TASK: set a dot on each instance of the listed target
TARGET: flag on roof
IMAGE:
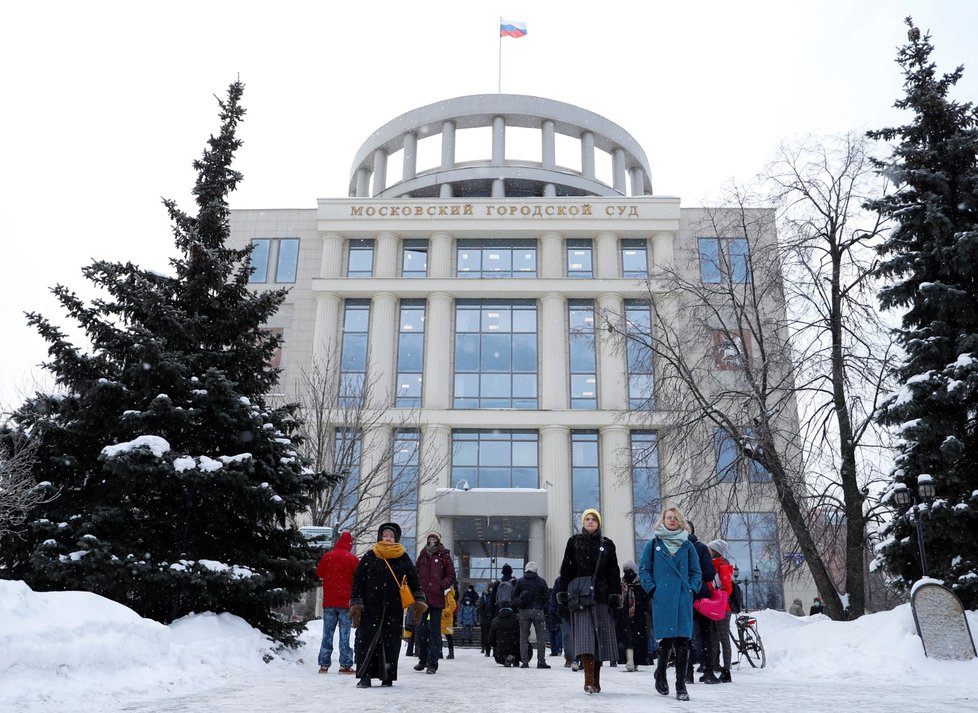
(511, 28)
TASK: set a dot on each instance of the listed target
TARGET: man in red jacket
(336, 569)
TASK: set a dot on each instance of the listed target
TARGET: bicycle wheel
(754, 647)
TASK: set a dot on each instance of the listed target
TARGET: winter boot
(451, 646)
(724, 675)
(630, 660)
(661, 664)
(597, 675)
(567, 661)
(690, 675)
(587, 661)
(682, 668)
(708, 676)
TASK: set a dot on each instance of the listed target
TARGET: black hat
(393, 527)
(507, 570)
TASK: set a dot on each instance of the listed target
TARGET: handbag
(580, 590)
(407, 599)
(715, 607)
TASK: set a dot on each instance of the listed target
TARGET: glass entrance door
(485, 544)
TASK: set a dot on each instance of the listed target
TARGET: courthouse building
(470, 289)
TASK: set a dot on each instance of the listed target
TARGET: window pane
(466, 353)
(496, 352)
(634, 258)
(259, 261)
(414, 258)
(739, 262)
(579, 258)
(288, 260)
(709, 260)
(361, 259)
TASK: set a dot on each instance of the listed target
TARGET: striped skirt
(594, 632)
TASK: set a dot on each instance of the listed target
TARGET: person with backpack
(589, 571)
(530, 594)
(721, 628)
(702, 626)
(670, 572)
(502, 593)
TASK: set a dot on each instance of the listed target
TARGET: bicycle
(748, 642)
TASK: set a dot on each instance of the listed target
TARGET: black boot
(662, 662)
(682, 667)
(451, 646)
(724, 675)
(708, 676)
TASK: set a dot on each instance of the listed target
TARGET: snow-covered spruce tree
(176, 481)
(931, 263)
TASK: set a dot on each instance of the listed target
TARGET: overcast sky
(106, 104)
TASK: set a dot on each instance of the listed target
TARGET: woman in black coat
(375, 606)
(633, 624)
(589, 554)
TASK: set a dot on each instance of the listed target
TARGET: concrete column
(535, 548)
(662, 251)
(385, 263)
(606, 260)
(325, 331)
(448, 144)
(612, 363)
(440, 256)
(437, 378)
(498, 141)
(380, 171)
(445, 190)
(549, 190)
(549, 148)
(363, 183)
(374, 471)
(587, 154)
(436, 448)
(382, 349)
(616, 496)
(618, 171)
(331, 263)
(410, 169)
(553, 352)
(638, 181)
(555, 464)
(552, 256)
(498, 188)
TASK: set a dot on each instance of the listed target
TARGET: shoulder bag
(407, 599)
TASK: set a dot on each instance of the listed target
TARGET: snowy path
(473, 682)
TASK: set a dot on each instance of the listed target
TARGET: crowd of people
(595, 613)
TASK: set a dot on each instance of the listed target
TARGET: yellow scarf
(388, 550)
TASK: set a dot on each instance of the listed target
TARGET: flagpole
(499, 88)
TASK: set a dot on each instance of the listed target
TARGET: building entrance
(484, 544)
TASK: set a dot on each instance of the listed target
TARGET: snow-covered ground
(73, 651)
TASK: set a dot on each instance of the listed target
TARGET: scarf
(672, 539)
(628, 597)
(432, 549)
(388, 550)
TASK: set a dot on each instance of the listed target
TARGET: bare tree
(734, 365)
(371, 453)
(19, 491)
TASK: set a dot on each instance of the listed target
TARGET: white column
(385, 264)
(587, 154)
(618, 171)
(616, 495)
(498, 141)
(374, 472)
(612, 363)
(662, 251)
(555, 465)
(535, 548)
(440, 255)
(331, 264)
(363, 183)
(553, 352)
(380, 171)
(548, 148)
(326, 331)
(551, 255)
(436, 449)
(436, 381)
(447, 144)
(638, 181)
(410, 165)
(606, 262)
(382, 349)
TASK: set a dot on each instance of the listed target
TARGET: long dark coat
(593, 628)
(633, 631)
(378, 639)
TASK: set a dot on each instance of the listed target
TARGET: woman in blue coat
(670, 573)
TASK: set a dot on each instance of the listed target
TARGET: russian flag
(511, 28)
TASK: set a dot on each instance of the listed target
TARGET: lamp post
(904, 496)
(745, 582)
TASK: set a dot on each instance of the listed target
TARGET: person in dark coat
(703, 629)
(670, 572)
(816, 607)
(564, 619)
(437, 574)
(531, 594)
(504, 638)
(632, 618)
(375, 606)
(484, 608)
(553, 622)
(589, 554)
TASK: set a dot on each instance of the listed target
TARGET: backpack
(736, 599)
(504, 594)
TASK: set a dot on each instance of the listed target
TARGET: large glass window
(414, 258)
(585, 474)
(579, 259)
(495, 354)
(724, 258)
(495, 459)
(646, 488)
(732, 464)
(353, 354)
(638, 350)
(361, 259)
(404, 486)
(634, 258)
(583, 364)
(497, 258)
(274, 256)
(347, 452)
(410, 354)
(753, 540)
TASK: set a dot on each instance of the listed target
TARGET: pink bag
(715, 607)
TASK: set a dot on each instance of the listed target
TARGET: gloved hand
(614, 600)
(562, 598)
(418, 609)
(356, 612)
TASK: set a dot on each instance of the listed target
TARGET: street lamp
(904, 496)
(745, 582)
